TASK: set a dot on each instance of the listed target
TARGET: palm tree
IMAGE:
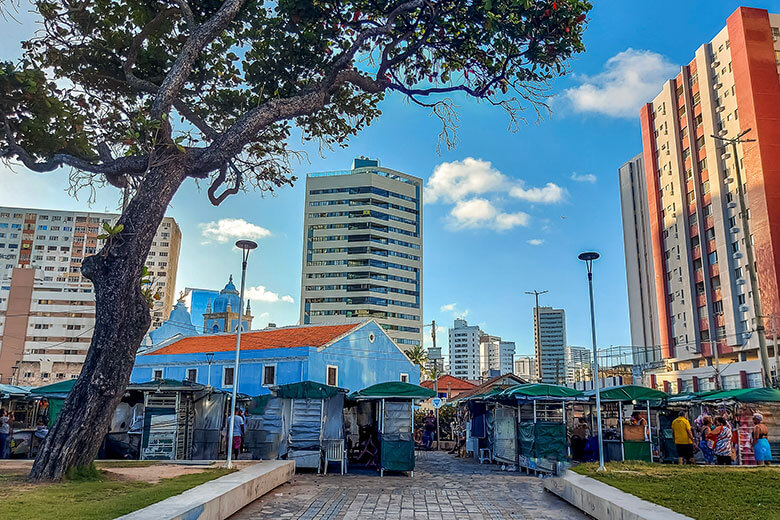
(419, 357)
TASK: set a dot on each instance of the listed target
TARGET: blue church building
(351, 356)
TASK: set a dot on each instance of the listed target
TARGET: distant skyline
(505, 212)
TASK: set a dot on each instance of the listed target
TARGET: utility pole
(777, 354)
(743, 213)
(536, 294)
(714, 345)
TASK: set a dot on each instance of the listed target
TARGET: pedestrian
(238, 433)
(6, 420)
(579, 436)
(429, 429)
(761, 450)
(721, 436)
(683, 438)
(707, 443)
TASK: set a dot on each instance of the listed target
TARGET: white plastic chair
(335, 452)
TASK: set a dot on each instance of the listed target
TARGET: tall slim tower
(550, 341)
(362, 249)
(702, 287)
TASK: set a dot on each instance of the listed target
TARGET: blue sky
(512, 209)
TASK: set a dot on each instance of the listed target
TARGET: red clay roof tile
(450, 382)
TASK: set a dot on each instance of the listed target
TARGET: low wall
(605, 502)
(221, 497)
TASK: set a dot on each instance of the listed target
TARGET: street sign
(437, 402)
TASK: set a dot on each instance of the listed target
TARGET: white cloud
(550, 194)
(587, 177)
(261, 294)
(452, 181)
(536, 241)
(481, 213)
(450, 307)
(629, 79)
(226, 229)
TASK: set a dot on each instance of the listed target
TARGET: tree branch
(219, 180)
(200, 37)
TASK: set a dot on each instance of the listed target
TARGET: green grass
(706, 492)
(101, 499)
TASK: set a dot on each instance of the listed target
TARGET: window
(404, 378)
(192, 375)
(710, 234)
(269, 375)
(227, 376)
(691, 197)
(157, 373)
(705, 188)
(333, 375)
(713, 258)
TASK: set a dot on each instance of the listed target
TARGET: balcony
(696, 253)
(701, 300)
(698, 275)
(711, 246)
(714, 270)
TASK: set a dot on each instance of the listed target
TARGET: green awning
(745, 395)
(307, 390)
(629, 393)
(13, 391)
(541, 391)
(257, 404)
(393, 390)
(483, 395)
(61, 388)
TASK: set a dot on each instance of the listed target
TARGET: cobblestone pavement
(443, 488)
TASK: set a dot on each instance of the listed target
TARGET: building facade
(504, 361)
(47, 308)
(702, 288)
(637, 243)
(362, 249)
(465, 351)
(579, 364)
(550, 342)
(351, 356)
(525, 367)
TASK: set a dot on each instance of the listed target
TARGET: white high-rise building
(640, 275)
(525, 367)
(465, 351)
(47, 308)
(362, 249)
(579, 364)
(550, 341)
(505, 359)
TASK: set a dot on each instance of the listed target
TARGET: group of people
(717, 440)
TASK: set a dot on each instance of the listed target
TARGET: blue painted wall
(360, 363)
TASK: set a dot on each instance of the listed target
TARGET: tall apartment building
(702, 289)
(504, 360)
(640, 277)
(579, 364)
(465, 350)
(550, 342)
(525, 367)
(47, 308)
(362, 249)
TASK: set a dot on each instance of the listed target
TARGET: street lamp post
(209, 360)
(588, 257)
(743, 213)
(246, 246)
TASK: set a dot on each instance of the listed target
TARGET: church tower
(223, 314)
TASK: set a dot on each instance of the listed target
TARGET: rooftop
(286, 337)
(448, 382)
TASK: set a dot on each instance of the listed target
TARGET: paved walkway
(443, 488)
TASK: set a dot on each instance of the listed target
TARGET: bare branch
(200, 37)
(216, 200)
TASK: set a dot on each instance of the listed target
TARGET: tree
(418, 357)
(145, 94)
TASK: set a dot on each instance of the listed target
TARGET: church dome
(227, 296)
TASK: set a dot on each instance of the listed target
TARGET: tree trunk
(121, 320)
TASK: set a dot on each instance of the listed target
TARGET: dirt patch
(153, 474)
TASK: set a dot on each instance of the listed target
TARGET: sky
(505, 211)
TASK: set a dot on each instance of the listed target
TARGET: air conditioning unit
(734, 230)
(737, 255)
(725, 156)
(728, 180)
(716, 63)
(744, 308)
(731, 205)
(722, 133)
(740, 281)
(718, 85)
(721, 108)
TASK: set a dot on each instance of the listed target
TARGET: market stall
(626, 416)
(540, 431)
(316, 417)
(382, 418)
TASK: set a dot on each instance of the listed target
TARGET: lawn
(102, 499)
(705, 492)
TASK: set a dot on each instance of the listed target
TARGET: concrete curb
(605, 502)
(219, 498)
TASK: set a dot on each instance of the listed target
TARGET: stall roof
(539, 391)
(393, 390)
(629, 393)
(13, 390)
(745, 395)
(169, 385)
(60, 388)
(307, 390)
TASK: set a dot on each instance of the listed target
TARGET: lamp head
(246, 245)
(209, 357)
(588, 256)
